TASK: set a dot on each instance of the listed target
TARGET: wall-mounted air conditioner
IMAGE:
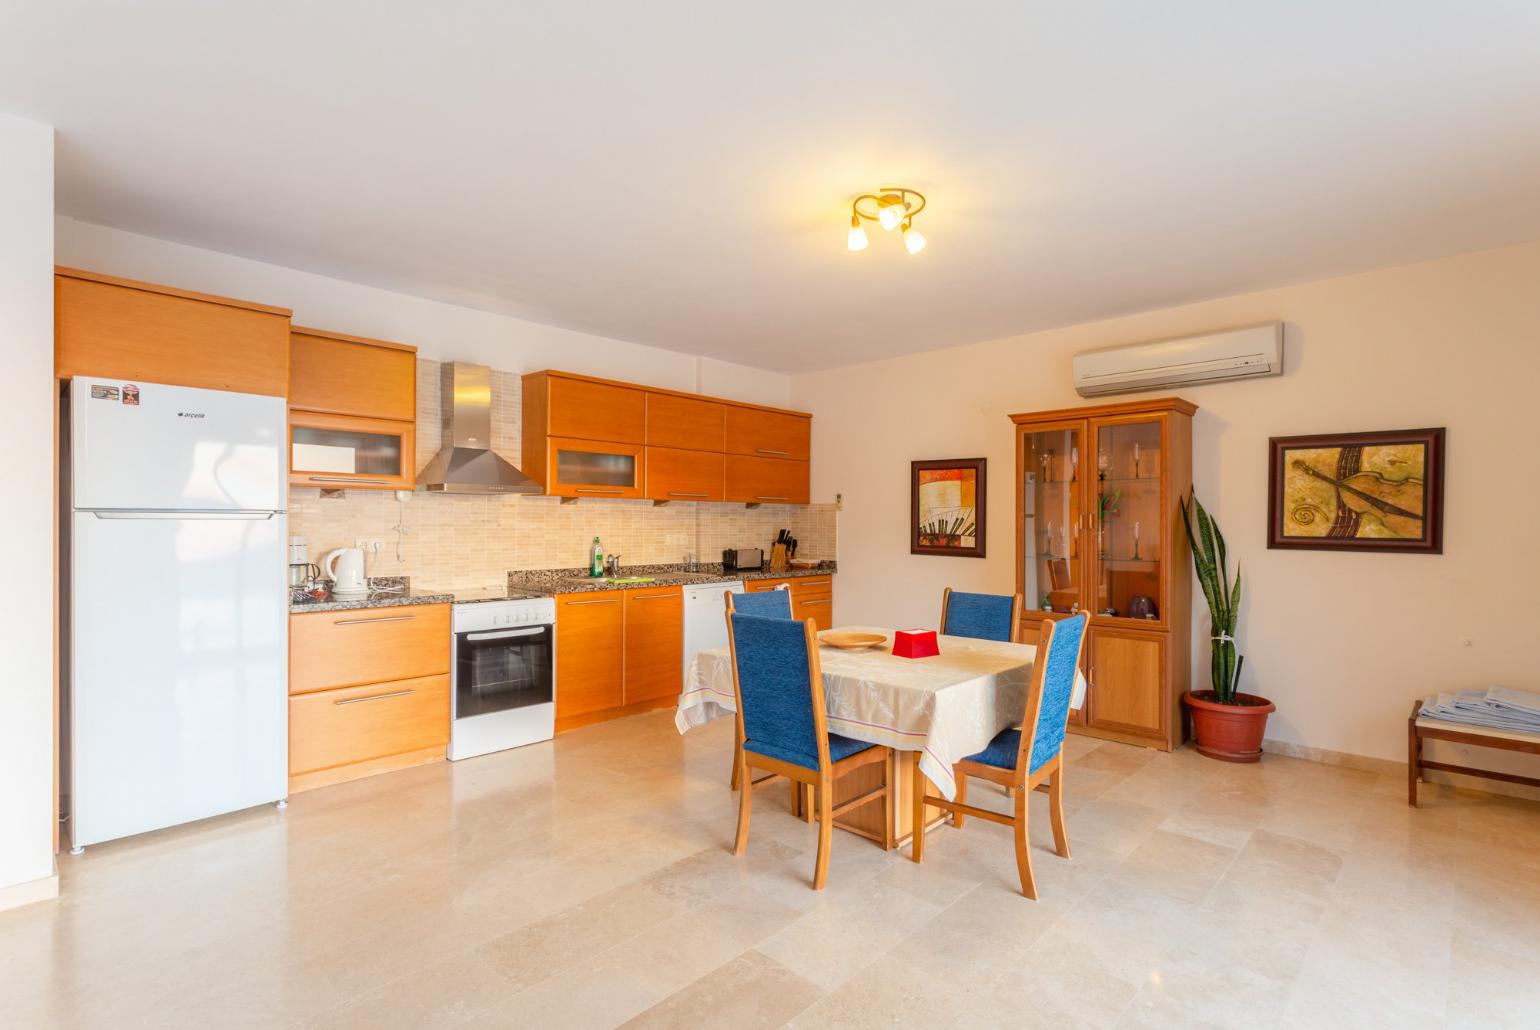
(1245, 353)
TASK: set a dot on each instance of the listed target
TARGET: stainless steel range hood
(467, 464)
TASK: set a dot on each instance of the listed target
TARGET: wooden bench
(1420, 729)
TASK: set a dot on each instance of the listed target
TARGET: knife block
(778, 558)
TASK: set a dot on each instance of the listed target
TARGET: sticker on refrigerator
(104, 393)
(131, 394)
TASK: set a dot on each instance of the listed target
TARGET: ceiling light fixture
(891, 207)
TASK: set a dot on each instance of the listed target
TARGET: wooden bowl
(853, 641)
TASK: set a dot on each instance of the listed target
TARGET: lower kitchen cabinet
(1125, 684)
(654, 644)
(368, 692)
(812, 597)
(617, 652)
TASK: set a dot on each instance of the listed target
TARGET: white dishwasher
(705, 619)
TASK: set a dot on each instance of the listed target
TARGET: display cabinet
(1099, 527)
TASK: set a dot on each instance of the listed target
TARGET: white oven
(503, 689)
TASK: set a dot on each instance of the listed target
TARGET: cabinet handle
(597, 600)
(811, 603)
(365, 622)
(374, 697)
(596, 490)
(766, 450)
(675, 493)
(654, 597)
(763, 498)
(346, 479)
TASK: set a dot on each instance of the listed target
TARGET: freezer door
(178, 670)
(147, 446)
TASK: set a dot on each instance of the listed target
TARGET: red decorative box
(915, 643)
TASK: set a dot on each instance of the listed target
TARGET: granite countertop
(547, 582)
(394, 591)
(385, 592)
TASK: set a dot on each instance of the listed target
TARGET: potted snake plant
(1229, 725)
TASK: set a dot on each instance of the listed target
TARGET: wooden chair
(981, 616)
(1031, 758)
(784, 727)
(772, 604)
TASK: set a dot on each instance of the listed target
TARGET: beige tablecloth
(945, 707)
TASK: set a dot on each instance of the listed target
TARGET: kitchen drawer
(753, 586)
(820, 609)
(595, 411)
(331, 728)
(686, 422)
(811, 586)
(367, 645)
(768, 434)
(679, 475)
(766, 480)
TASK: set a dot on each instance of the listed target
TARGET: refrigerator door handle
(251, 516)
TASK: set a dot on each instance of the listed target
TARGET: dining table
(935, 710)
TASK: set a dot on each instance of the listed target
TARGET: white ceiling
(680, 174)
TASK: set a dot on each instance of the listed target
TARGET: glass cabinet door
(332, 451)
(1053, 518)
(581, 468)
(1126, 511)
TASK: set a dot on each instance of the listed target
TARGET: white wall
(442, 332)
(1342, 642)
(27, 516)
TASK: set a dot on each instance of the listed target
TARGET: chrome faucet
(612, 565)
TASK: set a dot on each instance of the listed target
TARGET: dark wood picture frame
(1432, 539)
(980, 506)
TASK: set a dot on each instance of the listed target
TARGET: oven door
(503, 669)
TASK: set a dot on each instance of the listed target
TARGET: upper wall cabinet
(140, 332)
(660, 444)
(352, 412)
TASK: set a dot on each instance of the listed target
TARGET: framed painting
(1358, 492)
(946, 507)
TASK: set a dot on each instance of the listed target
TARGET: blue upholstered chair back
(775, 688)
(1058, 687)
(768, 604)
(982, 616)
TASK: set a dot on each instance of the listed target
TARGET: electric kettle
(345, 568)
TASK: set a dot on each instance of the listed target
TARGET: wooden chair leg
(734, 782)
(796, 796)
(889, 800)
(962, 797)
(745, 804)
(917, 839)
(807, 802)
(1056, 812)
(1023, 852)
(825, 833)
(1413, 758)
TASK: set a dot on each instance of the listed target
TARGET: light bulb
(913, 241)
(857, 234)
(892, 214)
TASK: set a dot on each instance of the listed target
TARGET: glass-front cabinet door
(345, 451)
(582, 468)
(1053, 518)
(1127, 509)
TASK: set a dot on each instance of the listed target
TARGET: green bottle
(596, 560)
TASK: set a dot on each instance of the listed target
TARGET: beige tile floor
(587, 883)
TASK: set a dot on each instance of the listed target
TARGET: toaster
(735, 558)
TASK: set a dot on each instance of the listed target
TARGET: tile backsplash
(456, 541)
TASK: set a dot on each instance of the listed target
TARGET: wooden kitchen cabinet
(590, 656)
(660, 444)
(769, 434)
(766, 480)
(812, 597)
(138, 332)
(368, 692)
(352, 375)
(681, 475)
(352, 412)
(654, 645)
(691, 423)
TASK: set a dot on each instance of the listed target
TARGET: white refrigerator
(178, 627)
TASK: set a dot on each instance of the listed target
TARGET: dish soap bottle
(596, 560)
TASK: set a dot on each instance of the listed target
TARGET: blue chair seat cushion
(839, 748)
(1001, 752)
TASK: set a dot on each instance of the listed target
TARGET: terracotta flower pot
(1230, 733)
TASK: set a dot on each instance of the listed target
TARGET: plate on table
(853, 641)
